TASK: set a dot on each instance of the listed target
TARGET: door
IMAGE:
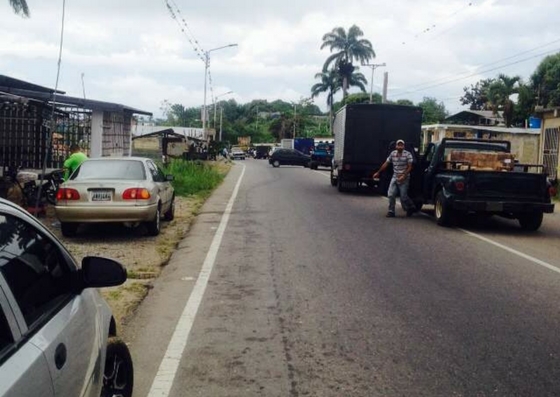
(64, 326)
(23, 369)
(163, 185)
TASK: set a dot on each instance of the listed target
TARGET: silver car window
(34, 268)
(6, 337)
(157, 174)
(110, 169)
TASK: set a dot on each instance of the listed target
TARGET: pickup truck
(461, 176)
(322, 155)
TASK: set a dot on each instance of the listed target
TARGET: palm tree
(20, 7)
(348, 47)
(500, 91)
(330, 83)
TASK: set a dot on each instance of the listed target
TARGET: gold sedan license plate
(104, 195)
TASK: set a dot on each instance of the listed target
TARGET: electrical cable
(50, 130)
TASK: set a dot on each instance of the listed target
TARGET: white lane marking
(518, 253)
(163, 381)
(322, 173)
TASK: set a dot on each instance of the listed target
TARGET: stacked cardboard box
(481, 160)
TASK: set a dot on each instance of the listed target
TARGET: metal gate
(550, 152)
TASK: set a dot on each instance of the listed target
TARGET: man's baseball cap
(400, 141)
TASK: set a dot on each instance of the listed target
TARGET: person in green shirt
(76, 158)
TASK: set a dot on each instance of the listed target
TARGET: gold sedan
(130, 190)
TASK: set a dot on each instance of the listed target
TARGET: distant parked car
(57, 334)
(130, 190)
(289, 157)
(237, 153)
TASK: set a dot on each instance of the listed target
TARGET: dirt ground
(142, 256)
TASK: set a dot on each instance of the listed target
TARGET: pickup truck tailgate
(519, 186)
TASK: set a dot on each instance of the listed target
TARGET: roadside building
(550, 128)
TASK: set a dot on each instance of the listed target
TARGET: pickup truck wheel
(443, 213)
(313, 165)
(531, 221)
(276, 163)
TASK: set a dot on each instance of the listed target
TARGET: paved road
(315, 293)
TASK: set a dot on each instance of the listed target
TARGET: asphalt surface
(315, 293)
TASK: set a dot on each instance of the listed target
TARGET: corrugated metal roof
(28, 90)
(511, 130)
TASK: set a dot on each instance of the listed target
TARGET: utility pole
(373, 66)
(221, 114)
(206, 66)
(257, 128)
(295, 105)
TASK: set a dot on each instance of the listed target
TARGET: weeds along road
(290, 288)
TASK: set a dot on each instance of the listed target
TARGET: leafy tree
(546, 81)
(348, 47)
(433, 112)
(477, 95)
(525, 105)
(20, 7)
(404, 102)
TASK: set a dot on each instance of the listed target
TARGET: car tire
(443, 214)
(154, 226)
(313, 165)
(530, 221)
(118, 375)
(170, 214)
(69, 229)
(276, 163)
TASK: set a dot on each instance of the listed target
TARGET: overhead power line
(177, 17)
(481, 72)
(457, 74)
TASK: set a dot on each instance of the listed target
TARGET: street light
(216, 103)
(373, 66)
(206, 65)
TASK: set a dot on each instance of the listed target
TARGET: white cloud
(135, 53)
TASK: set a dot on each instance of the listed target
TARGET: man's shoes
(390, 214)
(409, 212)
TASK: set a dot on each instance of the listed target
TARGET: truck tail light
(460, 186)
(67, 194)
(347, 167)
(136, 193)
(552, 191)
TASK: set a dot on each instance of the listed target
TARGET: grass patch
(194, 177)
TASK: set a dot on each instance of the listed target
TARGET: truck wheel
(340, 184)
(276, 164)
(530, 221)
(334, 181)
(443, 213)
(313, 165)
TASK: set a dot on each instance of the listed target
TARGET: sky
(134, 52)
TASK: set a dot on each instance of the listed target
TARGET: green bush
(193, 177)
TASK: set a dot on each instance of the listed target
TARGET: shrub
(193, 177)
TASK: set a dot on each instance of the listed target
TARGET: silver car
(57, 334)
(130, 190)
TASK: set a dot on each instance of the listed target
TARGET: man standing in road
(76, 158)
(402, 165)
